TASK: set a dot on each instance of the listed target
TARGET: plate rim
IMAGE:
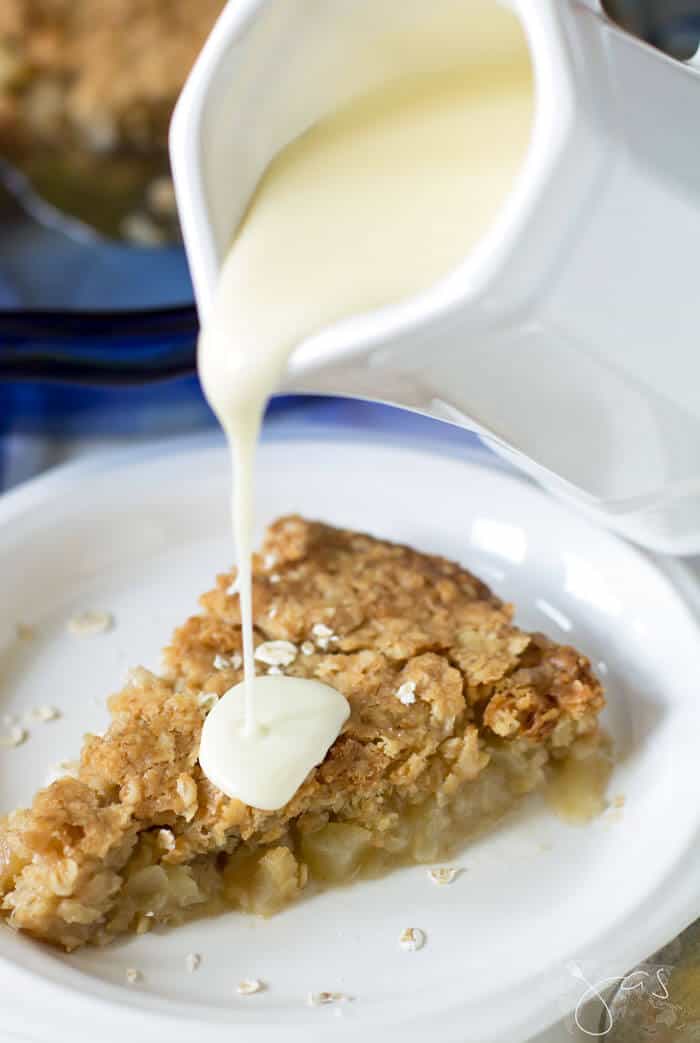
(542, 1010)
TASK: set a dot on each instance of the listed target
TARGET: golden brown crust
(370, 618)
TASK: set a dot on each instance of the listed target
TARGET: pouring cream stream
(370, 206)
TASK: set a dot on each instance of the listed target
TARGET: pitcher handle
(672, 35)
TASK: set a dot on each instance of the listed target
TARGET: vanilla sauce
(371, 205)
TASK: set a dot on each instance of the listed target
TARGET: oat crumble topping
(227, 662)
(166, 839)
(62, 81)
(402, 782)
(276, 653)
(406, 693)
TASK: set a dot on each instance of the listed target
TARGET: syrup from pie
(576, 788)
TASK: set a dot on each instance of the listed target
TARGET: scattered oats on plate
(321, 999)
(85, 624)
(45, 714)
(15, 737)
(249, 986)
(412, 938)
(444, 874)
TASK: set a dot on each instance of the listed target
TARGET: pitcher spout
(566, 335)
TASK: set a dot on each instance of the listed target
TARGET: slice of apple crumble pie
(455, 713)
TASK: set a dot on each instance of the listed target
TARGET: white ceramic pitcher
(568, 337)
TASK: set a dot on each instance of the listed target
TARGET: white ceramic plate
(141, 539)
